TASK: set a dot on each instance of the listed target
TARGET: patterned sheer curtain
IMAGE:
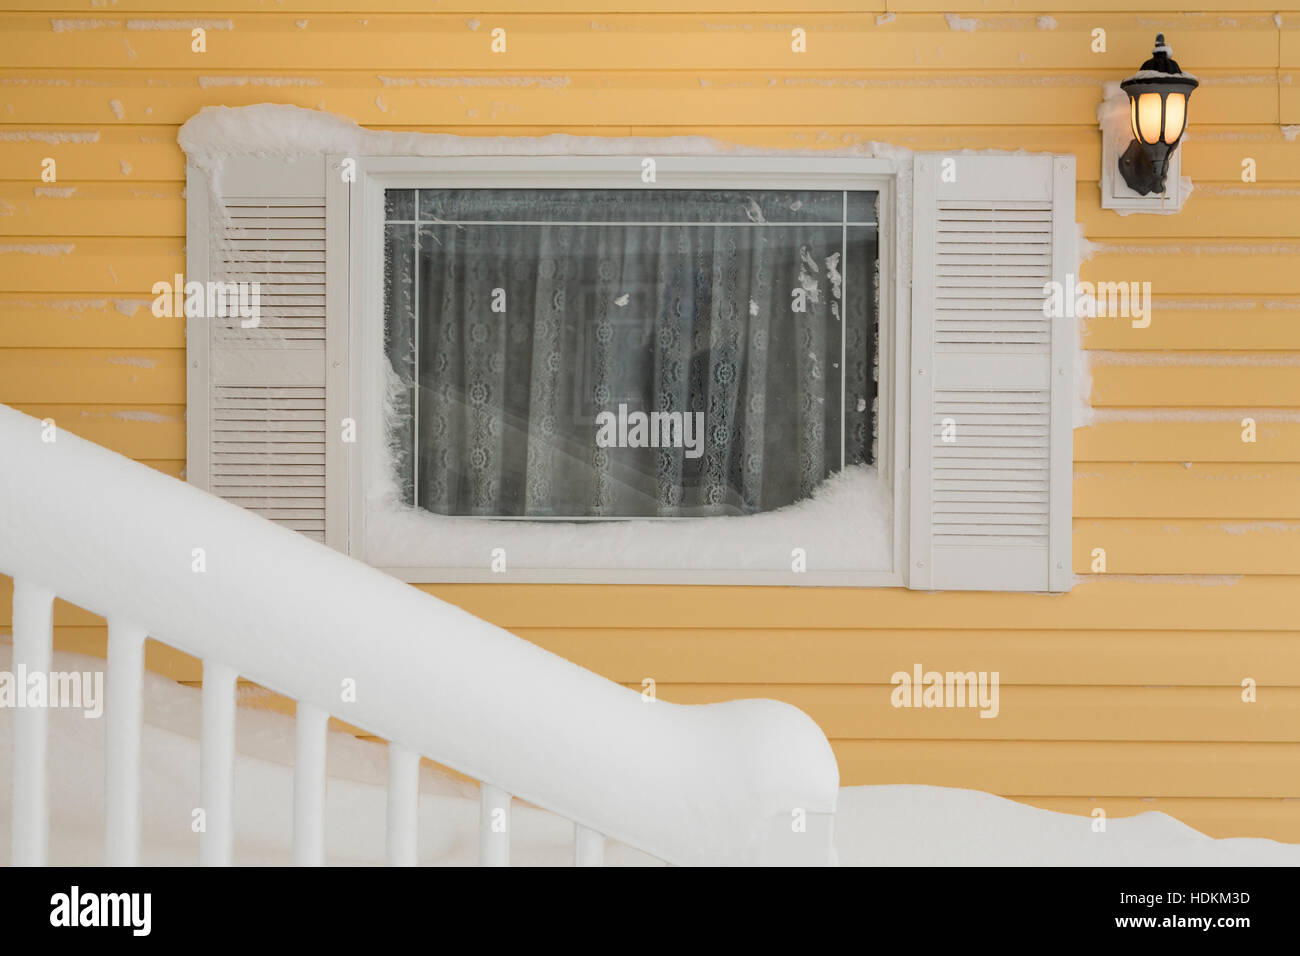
(530, 330)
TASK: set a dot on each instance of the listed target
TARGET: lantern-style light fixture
(1157, 100)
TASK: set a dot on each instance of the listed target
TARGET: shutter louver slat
(279, 244)
(255, 431)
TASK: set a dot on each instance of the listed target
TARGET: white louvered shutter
(259, 399)
(991, 376)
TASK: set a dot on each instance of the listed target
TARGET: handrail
(743, 782)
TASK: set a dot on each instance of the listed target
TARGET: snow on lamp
(1157, 99)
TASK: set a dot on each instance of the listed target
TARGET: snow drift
(895, 825)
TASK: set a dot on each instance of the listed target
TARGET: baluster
(309, 786)
(493, 844)
(123, 715)
(588, 847)
(217, 763)
(403, 838)
(33, 621)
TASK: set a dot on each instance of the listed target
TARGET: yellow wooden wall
(1124, 694)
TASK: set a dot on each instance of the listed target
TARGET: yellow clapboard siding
(1289, 49)
(1218, 440)
(866, 711)
(1214, 210)
(1247, 267)
(776, 96)
(1253, 383)
(1068, 768)
(1173, 490)
(64, 321)
(1205, 323)
(188, 7)
(74, 265)
(149, 153)
(92, 152)
(1274, 818)
(1289, 98)
(816, 657)
(813, 655)
(653, 6)
(620, 42)
(138, 377)
(1187, 7)
(1215, 157)
(156, 432)
(1188, 546)
(69, 209)
(1249, 603)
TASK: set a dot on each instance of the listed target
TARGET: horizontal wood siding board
(623, 42)
(1229, 602)
(1217, 439)
(1188, 546)
(1026, 712)
(632, 97)
(1175, 603)
(1178, 490)
(1069, 768)
(1184, 658)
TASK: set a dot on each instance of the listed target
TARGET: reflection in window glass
(628, 353)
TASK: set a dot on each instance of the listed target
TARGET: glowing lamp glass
(1146, 125)
(1175, 116)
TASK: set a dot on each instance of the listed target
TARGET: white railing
(746, 782)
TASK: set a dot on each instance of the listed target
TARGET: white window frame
(358, 207)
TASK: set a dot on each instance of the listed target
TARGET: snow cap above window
(277, 130)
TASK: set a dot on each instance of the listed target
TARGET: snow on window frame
(849, 533)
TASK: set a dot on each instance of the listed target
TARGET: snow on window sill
(846, 526)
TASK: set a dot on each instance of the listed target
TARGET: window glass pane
(861, 207)
(608, 354)
(631, 205)
(399, 345)
(399, 204)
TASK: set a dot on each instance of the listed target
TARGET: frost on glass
(628, 353)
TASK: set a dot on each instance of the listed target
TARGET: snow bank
(689, 784)
(885, 826)
(940, 826)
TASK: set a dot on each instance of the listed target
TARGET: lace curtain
(520, 320)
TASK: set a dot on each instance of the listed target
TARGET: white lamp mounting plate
(1115, 193)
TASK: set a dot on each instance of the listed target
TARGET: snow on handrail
(743, 782)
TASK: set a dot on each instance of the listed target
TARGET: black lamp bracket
(1140, 172)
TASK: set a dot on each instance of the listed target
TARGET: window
(777, 369)
(623, 353)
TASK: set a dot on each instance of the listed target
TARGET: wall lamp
(1157, 98)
